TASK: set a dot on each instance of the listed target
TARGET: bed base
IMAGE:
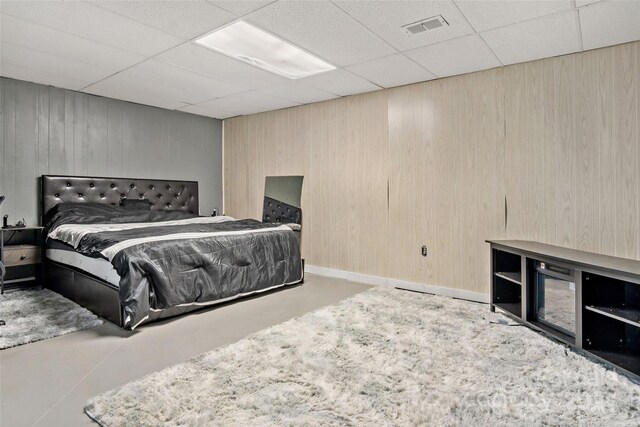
(98, 296)
(103, 299)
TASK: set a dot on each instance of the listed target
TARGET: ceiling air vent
(426, 25)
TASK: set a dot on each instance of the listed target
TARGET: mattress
(97, 267)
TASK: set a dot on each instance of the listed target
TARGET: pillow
(85, 212)
(135, 204)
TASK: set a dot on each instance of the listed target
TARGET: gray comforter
(169, 259)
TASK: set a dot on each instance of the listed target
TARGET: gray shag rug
(383, 357)
(35, 315)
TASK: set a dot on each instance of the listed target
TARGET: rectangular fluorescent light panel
(249, 44)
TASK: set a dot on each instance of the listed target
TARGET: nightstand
(21, 251)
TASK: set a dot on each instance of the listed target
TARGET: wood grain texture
(46, 130)
(15, 255)
(583, 142)
(345, 185)
(556, 138)
(625, 113)
(448, 176)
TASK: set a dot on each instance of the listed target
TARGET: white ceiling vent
(426, 25)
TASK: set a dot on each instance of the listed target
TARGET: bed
(158, 259)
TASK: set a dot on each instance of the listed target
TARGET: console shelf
(627, 360)
(513, 308)
(588, 301)
(511, 277)
(627, 315)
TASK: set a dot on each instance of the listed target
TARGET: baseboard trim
(395, 283)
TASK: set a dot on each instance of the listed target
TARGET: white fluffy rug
(34, 315)
(383, 357)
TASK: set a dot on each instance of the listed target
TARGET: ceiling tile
(386, 19)
(581, 3)
(247, 103)
(218, 107)
(46, 40)
(340, 82)
(133, 93)
(259, 100)
(184, 19)
(154, 88)
(93, 23)
(323, 29)
(608, 23)
(201, 110)
(28, 58)
(393, 70)
(241, 8)
(200, 87)
(463, 55)
(206, 61)
(539, 38)
(39, 76)
(488, 14)
(299, 93)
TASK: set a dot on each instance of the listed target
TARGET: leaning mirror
(282, 199)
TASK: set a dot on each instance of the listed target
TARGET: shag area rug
(382, 357)
(34, 315)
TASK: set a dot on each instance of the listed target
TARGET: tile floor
(47, 383)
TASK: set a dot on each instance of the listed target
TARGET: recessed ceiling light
(254, 46)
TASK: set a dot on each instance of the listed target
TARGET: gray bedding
(169, 259)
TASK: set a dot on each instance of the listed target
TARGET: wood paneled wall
(341, 149)
(572, 150)
(553, 142)
(446, 179)
(46, 130)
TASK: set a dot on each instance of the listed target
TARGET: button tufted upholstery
(162, 194)
(276, 211)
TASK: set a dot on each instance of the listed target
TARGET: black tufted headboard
(163, 194)
(276, 211)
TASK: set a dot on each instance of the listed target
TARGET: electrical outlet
(424, 250)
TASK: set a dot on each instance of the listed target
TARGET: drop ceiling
(144, 51)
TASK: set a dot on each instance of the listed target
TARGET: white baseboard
(395, 283)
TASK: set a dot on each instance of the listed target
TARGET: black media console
(588, 301)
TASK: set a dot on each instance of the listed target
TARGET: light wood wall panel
(336, 145)
(46, 130)
(446, 141)
(572, 150)
(553, 142)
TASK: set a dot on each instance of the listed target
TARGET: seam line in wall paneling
(506, 213)
(48, 133)
(38, 112)
(506, 146)
(222, 144)
(388, 197)
(15, 143)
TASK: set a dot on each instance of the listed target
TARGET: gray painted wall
(46, 130)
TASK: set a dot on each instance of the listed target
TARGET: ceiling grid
(145, 52)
